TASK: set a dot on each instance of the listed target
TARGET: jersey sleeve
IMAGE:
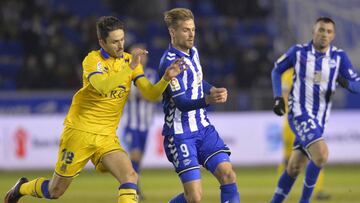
(346, 68)
(92, 65)
(285, 62)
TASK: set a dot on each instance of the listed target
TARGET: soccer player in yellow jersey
(289, 137)
(90, 126)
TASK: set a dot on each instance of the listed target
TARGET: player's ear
(172, 32)
(102, 42)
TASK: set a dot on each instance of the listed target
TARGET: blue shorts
(135, 139)
(307, 131)
(187, 151)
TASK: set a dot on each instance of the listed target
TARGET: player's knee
(227, 176)
(193, 196)
(320, 161)
(294, 169)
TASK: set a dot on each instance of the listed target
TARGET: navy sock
(180, 198)
(229, 193)
(284, 186)
(136, 166)
(311, 175)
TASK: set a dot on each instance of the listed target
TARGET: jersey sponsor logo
(317, 77)
(99, 67)
(174, 84)
(281, 58)
(116, 94)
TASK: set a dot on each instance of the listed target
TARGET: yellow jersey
(99, 111)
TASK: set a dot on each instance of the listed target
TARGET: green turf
(255, 185)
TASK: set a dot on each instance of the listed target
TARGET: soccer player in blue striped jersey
(317, 67)
(190, 139)
(139, 113)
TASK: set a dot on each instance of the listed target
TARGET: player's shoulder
(337, 50)
(93, 55)
(167, 58)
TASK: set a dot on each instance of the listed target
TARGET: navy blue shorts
(135, 139)
(307, 131)
(187, 151)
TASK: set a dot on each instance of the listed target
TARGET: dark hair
(325, 20)
(106, 24)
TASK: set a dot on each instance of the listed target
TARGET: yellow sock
(127, 196)
(320, 182)
(33, 188)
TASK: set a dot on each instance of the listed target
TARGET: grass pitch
(256, 185)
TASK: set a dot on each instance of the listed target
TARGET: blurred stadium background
(43, 42)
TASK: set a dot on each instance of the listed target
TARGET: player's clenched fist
(175, 69)
(217, 95)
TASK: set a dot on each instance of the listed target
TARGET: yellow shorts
(77, 147)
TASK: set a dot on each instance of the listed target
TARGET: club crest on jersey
(281, 58)
(317, 77)
(174, 84)
(99, 67)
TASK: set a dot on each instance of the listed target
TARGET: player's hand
(217, 96)
(279, 106)
(342, 82)
(137, 53)
(177, 67)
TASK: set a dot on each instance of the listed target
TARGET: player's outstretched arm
(153, 92)
(104, 83)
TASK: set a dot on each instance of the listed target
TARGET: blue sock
(311, 175)
(284, 186)
(180, 198)
(136, 166)
(229, 193)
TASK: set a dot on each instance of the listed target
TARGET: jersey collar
(104, 54)
(180, 53)
(313, 50)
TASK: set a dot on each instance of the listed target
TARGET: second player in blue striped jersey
(184, 118)
(190, 139)
(314, 78)
(318, 66)
(139, 111)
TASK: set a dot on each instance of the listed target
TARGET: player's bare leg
(296, 163)
(119, 165)
(136, 157)
(193, 191)
(319, 154)
(227, 179)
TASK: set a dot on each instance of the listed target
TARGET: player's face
(183, 35)
(114, 43)
(323, 35)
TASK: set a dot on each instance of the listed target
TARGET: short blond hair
(173, 16)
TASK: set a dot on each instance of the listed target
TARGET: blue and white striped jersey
(188, 86)
(314, 79)
(139, 112)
